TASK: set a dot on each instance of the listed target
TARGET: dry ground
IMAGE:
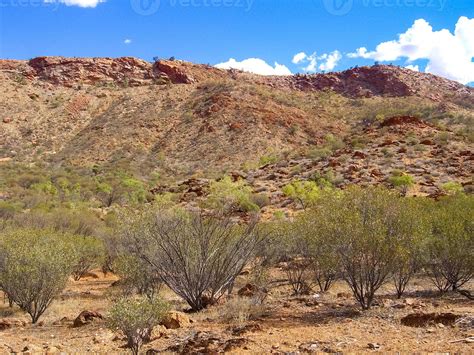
(326, 323)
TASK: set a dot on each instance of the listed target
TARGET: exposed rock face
(175, 74)
(69, 71)
(380, 80)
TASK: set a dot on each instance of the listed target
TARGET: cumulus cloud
(256, 66)
(127, 41)
(80, 3)
(328, 61)
(449, 54)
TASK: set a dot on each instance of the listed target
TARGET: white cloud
(80, 3)
(256, 66)
(448, 54)
(329, 61)
(298, 58)
(413, 67)
(127, 41)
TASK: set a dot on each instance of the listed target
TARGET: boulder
(175, 320)
(86, 317)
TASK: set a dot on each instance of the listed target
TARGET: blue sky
(213, 31)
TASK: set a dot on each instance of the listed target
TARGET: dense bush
(228, 195)
(136, 318)
(367, 228)
(34, 267)
(451, 246)
(306, 193)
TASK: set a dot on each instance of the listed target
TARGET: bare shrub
(197, 256)
(241, 309)
(297, 272)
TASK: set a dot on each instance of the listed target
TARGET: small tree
(89, 252)
(411, 243)
(136, 318)
(197, 256)
(34, 269)
(365, 228)
(451, 247)
(320, 247)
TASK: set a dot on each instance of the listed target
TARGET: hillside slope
(185, 120)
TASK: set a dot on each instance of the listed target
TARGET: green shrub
(452, 188)
(305, 193)
(34, 267)
(267, 159)
(90, 253)
(366, 227)
(136, 318)
(137, 276)
(228, 195)
(451, 247)
(401, 181)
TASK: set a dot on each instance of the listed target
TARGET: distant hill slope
(182, 120)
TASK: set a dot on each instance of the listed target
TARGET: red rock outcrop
(69, 71)
(379, 80)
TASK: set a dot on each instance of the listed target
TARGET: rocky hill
(185, 120)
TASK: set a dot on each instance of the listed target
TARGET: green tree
(451, 246)
(34, 267)
(366, 231)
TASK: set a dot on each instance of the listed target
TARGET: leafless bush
(197, 256)
(297, 272)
